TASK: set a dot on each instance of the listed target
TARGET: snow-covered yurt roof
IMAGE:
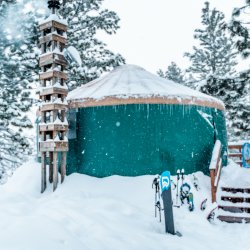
(130, 84)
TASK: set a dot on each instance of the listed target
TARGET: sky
(155, 32)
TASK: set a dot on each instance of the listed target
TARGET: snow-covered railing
(215, 169)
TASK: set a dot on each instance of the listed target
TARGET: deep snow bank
(109, 213)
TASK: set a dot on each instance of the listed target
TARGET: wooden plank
(52, 106)
(51, 146)
(51, 24)
(50, 58)
(234, 209)
(51, 74)
(53, 90)
(50, 167)
(53, 127)
(113, 100)
(43, 173)
(239, 155)
(63, 166)
(233, 146)
(218, 173)
(233, 219)
(55, 170)
(52, 37)
(233, 190)
(235, 199)
(213, 188)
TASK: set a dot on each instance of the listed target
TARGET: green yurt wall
(139, 139)
(140, 133)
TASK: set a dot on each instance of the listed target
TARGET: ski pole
(158, 205)
(177, 186)
(156, 185)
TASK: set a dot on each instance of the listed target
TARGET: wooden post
(53, 97)
(50, 167)
(213, 188)
(63, 166)
(43, 184)
(55, 170)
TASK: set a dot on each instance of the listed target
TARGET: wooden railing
(215, 169)
(235, 152)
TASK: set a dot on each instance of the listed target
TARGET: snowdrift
(109, 213)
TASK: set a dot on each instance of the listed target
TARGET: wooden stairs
(233, 203)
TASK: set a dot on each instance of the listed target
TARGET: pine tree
(85, 19)
(240, 31)
(14, 92)
(215, 55)
(173, 73)
(233, 92)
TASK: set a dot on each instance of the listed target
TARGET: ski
(156, 186)
(211, 215)
(203, 205)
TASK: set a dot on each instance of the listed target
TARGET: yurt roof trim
(130, 84)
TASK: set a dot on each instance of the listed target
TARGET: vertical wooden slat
(55, 171)
(213, 188)
(63, 166)
(50, 167)
(43, 179)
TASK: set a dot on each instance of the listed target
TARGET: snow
(73, 53)
(241, 142)
(107, 213)
(233, 174)
(133, 81)
(215, 153)
(54, 17)
(206, 117)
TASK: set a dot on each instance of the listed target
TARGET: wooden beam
(63, 166)
(51, 74)
(113, 100)
(51, 24)
(213, 188)
(50, 167)
(52, 37)
(43, 179)
(55, 170)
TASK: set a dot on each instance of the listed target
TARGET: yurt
(131, 122)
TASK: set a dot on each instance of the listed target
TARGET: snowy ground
(109, 213)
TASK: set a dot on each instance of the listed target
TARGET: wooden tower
(53, 92)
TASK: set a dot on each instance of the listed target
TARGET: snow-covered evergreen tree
(240, 31)
(215, 55)
(173, 73)
(86, 18)
(15, 79)
(233, 92)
